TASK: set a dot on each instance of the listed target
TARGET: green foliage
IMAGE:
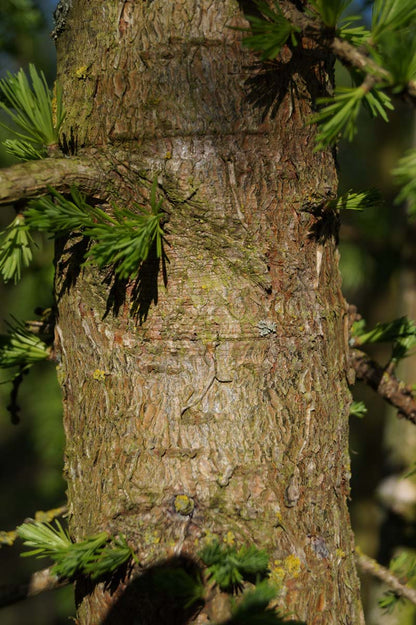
(391, 15)
(253, 608)
(383, 332)
(126, 239)
(396, 52)
(23, 150)
(95, 556)
(404, 567)
(123, 240)
(330, 10)
(179, 584)
(270, 31)
(358, 409)
(58, 215)
(36, 112)
(21, 348)
(229, 567)
(357, 201)
(401, 332)
(339, 117)
(405, 176)
(108, 558)
(353, 31)
(15, 249)
(19, 19)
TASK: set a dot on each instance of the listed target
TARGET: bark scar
(233, 185)
(213, 375)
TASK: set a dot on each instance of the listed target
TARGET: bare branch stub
(30, 179)
(393, 390)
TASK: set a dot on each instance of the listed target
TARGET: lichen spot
(82, 72)
(229, 539)
(292, 565)
(184, 505)
(99, 375)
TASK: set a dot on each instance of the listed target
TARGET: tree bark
(227, 382)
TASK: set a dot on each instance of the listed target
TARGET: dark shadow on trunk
(166, 594)
(70, 265)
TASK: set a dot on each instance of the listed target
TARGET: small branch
(368, 565)
(349, 54)
(385, 384)
(8, 538)
(32, 178)
(38, 582)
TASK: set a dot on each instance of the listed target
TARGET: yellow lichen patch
(184, 505)
(289, 567)
(279, 519)
(340, 554)
(99, 375)
(49, 515)
(209, 538)
(54, 104)
(277, 574)
(152, 538)
(7, 538)
(82, 72)
(229, 538)
(292, 565)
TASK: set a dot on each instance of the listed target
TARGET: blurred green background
(31, 453)
(378, 262)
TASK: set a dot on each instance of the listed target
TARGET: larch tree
(203, 348)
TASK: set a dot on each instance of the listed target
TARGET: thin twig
(40, 581)
(394, 391)
(371, 566)
(8, 538)
(346, 52)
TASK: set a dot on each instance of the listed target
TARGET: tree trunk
(220, 375)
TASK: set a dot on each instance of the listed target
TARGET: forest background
(378, 263)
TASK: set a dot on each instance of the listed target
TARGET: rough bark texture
(228, 383)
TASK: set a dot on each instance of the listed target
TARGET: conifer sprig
(400, 332)
(357, 201)
(270, 31)
(339, 116)
(21, 348)
(391, 15)
(229, 567)
(95, 556)
(330, 10)
(353, 31)
(253, 609)
(36, 112)
(57, 214)
(383, 332)
(123, 239)
(404, 568)
(396, 52)
(405, 176)
(15, 249)
(358, 409)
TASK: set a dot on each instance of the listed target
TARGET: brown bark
(227, 384)
(27, 180)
